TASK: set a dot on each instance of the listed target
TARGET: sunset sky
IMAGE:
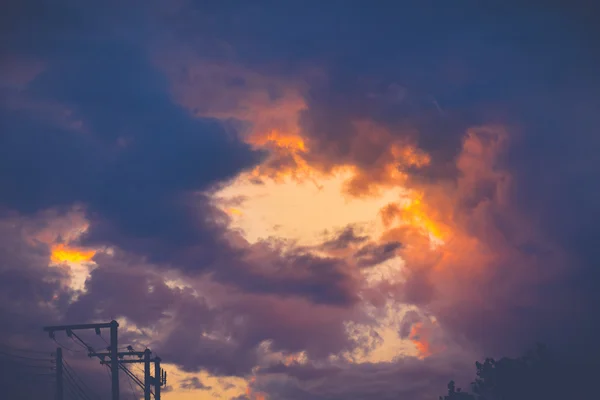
(300, 200)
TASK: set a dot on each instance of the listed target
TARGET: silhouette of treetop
(539, 374)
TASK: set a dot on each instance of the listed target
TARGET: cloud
(135, 118)
(132, 156)
(267, 269)
(406, 378)
(371, 254)
(202, 324)
(111, 286)
(226, 339)
(194, 384)
(31, 294)
(345, 238)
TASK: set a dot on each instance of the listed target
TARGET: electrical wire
(66, 347)
(131, 386)
(70, 379)
(71, 392)
(24, 357)
(81, 343)
(9, 349)
(102, 337)
(108, 373)
(134, 378)
(25, 364)
(131, 376)
(68, 367)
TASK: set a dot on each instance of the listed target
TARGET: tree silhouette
(456, 393)
(539, 374)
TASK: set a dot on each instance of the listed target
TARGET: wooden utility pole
(147, 374)
(114, 365)
(157, 378)
(59, 374)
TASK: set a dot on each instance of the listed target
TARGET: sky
(299, 200)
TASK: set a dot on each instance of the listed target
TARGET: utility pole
(158, 381)
(113, 325)
(114, 365)
(147, 374)
(59, 374)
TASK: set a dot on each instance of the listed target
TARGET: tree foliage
(539, 374)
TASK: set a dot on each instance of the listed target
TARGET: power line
(102, 337)
(72, 392)
(66, 347)
(71, 380)
(69, 368)
(131, 386)
(108, 372)
(20, 350)
(81, 342)
(24, 357)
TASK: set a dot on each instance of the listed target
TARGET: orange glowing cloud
(286, 158)
(61, 253)
(420, 338)
(278, 139)
(418, 214)
(251, 394)
(452, 246)
(384, 156)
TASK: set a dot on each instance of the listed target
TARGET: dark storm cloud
(408, 378)
(320, 279)
(344, 239)
(223, 336)
(137, 154)
(373, 254)
(225, 340)
(132, 157)
(431, 68)
(111, 286)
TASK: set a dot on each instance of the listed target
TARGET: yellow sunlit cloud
(232, 211)
(220, 387)
(415, 213)
(301, 210)
(63, 253)
(78, 260)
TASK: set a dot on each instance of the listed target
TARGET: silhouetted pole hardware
(113, 326)
(158, 380)
(59, 374)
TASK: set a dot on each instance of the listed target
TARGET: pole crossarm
(120, 354)
(79, 326)
(129, 361)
